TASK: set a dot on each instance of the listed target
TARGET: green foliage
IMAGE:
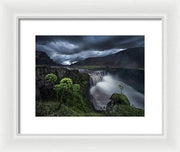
(50, 109)
(75, 102)
(66, 85)
(123, 110)
(119, 99)
(67, 81)
(83, 80)
(120, 106)
(120, 86)
(76, 88)
(57, 88)
(51, 78)
(73, 98)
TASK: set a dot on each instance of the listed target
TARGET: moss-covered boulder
(119, 99)
(120, 106)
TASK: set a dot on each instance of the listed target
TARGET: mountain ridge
(43, 59)
(129, 58)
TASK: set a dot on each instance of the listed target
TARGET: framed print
(89, 76)
(93, 71)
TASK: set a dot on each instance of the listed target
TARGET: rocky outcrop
(43, 59)
(117, 98)
(120, 106)
(44, 90)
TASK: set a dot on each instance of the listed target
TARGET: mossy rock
(117, 98)
(123, 110)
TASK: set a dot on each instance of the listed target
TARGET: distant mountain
(43, 59)
(129, 58)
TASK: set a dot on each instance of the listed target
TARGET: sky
(68, 50)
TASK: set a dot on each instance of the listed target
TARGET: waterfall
(102, 91)
(95, 76)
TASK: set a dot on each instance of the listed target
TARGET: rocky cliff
(44, 90)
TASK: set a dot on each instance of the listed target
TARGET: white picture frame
(11, 10)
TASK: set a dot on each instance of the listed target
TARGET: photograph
(90, 75)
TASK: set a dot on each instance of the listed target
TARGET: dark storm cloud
(69, 49)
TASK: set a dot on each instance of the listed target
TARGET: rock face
(44, 90)
(130, 58)
(43, 59)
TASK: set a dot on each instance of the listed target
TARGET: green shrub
(67, 81)
(64, 89)
(51, 78)
(76, 88)
(119, 99)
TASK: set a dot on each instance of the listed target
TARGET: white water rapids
(101, 92)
